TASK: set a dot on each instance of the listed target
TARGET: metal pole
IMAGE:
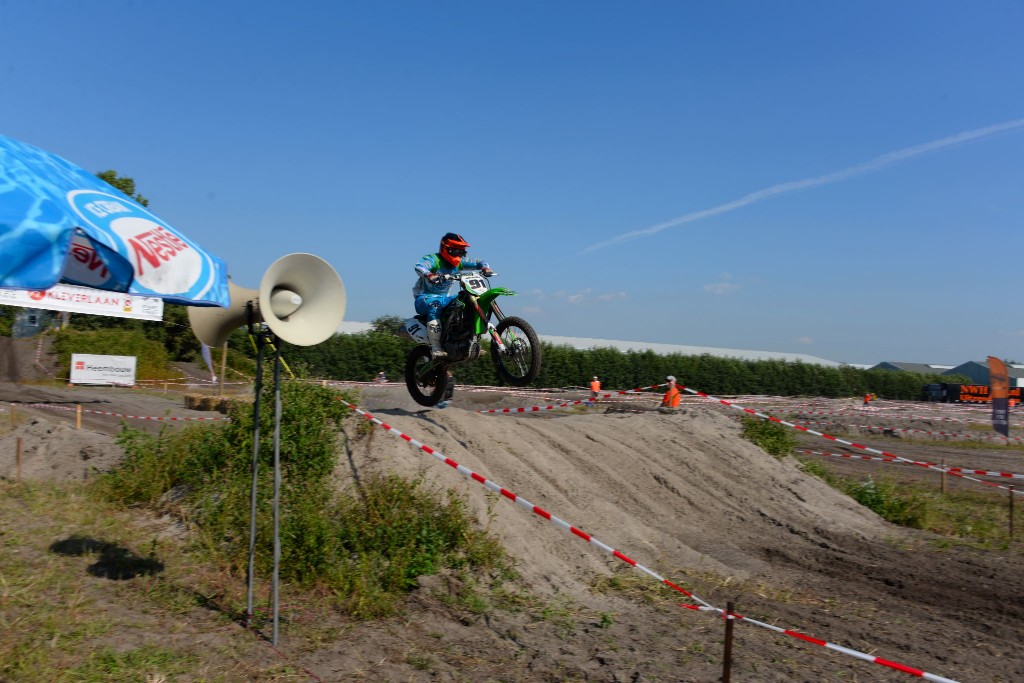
(223, 367)
(727, 655)
(255, 473)
(277, 480)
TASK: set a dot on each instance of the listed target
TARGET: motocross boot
(434, 335)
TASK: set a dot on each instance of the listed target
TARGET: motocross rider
(432, 289)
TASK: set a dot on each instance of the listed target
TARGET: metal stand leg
(277, 482)
(251, 576)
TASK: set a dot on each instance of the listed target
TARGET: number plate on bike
(475, 285)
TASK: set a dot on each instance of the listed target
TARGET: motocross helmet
(452, 249)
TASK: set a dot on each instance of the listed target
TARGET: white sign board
(92, 369)
(86, 300)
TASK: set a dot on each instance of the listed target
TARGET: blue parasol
(62, 224)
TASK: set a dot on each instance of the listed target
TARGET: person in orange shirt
(595, 388)
(672, 396)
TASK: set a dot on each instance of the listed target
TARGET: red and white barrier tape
(565, 526)
(948, 470)
(535, 409)
(851, 444)
(939, 418)
(39, 357)
(496, 488)
(889, 457)
(134, 417)
(831, 646)
(851, 456)
(979, 437)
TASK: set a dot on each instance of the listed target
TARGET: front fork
(491, 329)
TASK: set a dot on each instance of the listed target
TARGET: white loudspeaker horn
(213, 325)
(301, 299)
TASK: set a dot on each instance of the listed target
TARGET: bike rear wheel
(425, 379)
(520, 363)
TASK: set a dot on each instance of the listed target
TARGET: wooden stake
(942, 484)
(78, 416)
(17, 459)
(727, 655)
(1011, 513)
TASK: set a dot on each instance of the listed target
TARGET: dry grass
(68, 612)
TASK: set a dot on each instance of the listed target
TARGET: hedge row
(361, 356)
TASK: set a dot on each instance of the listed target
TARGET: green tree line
(361, 356)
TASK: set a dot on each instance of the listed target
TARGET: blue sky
(838, 179)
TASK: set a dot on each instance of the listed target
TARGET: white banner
(92, 369)
(86, 300)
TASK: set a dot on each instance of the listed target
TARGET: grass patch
(894, 502)
(61, 620)
(976, 518)
(776, 439)
(144, 664)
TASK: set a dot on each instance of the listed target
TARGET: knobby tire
(521, 364)
(426, 389)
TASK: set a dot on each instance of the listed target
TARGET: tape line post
(704, 606)
(913, 671)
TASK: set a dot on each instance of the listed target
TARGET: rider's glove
(435, 278)
(487, 272)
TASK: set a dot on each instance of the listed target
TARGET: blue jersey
(432, 263)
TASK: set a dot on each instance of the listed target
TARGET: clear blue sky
(839, 179)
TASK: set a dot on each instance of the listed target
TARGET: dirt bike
(465, 322)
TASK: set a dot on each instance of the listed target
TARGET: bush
(392, 530)
(774, 438)
(886, 499)
(366, 545)
(151, 357)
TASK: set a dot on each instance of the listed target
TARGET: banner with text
(93, 369)
(77, 299)
(1000, 382)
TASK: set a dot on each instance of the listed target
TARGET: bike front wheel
(425, 379)
(519, 363)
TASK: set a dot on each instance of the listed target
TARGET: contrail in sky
(792, 186)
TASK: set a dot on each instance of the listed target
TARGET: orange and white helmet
(452, 249)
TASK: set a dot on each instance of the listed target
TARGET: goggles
(455, 251)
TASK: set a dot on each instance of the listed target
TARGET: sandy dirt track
(681, 494)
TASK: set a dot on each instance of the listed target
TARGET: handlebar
(450, 277)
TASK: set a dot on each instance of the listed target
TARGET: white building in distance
(583, 343)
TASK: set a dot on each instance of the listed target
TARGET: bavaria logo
(165, 262)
